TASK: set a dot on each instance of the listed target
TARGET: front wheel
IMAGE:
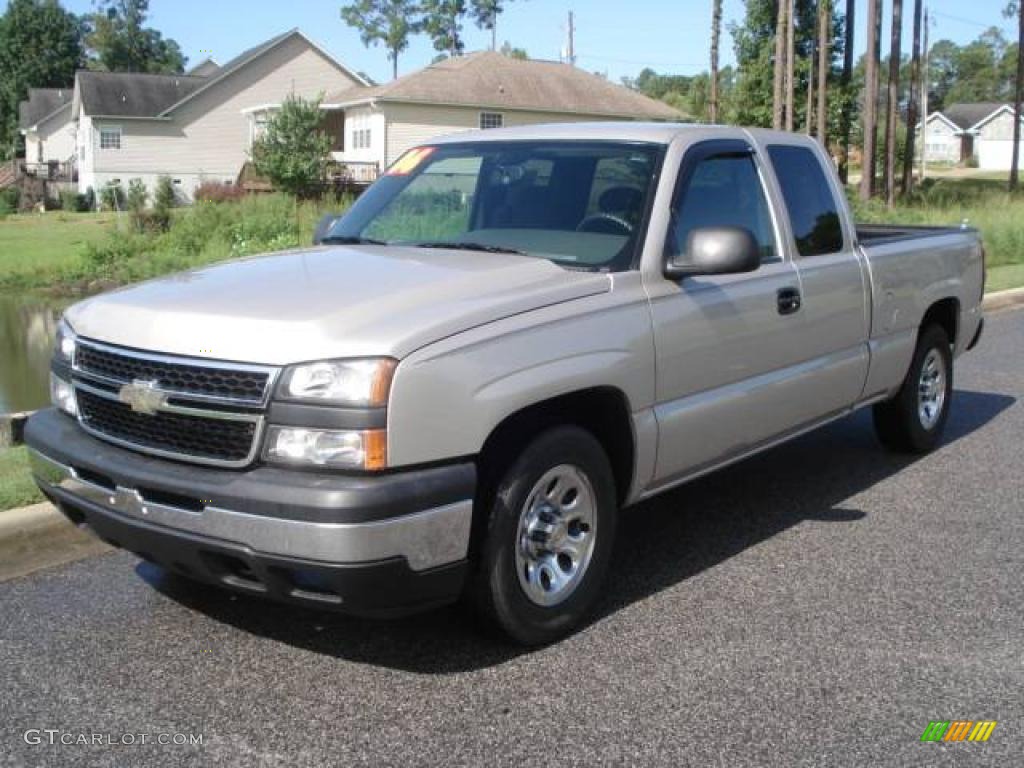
(913, 421)
(549, 537)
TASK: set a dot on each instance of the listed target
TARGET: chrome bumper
(427, 539)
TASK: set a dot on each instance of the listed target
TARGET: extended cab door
(835, 298)
(724, 344)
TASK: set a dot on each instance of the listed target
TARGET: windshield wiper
(348, 240)
(470, 246)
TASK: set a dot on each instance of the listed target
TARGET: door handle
(789, 301)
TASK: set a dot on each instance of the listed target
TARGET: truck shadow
(662, 542)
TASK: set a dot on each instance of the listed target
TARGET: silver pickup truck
(509, 340)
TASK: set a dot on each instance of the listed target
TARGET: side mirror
(324, 226)
(715, 251)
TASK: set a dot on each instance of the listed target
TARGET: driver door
(723, 343)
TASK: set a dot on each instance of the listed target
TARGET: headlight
(64, 348)
(340, 382)
(327, 448)
(62, 395)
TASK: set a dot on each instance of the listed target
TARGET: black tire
(500, 598)
(898, 422)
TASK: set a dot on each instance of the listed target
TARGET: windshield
(580, 204)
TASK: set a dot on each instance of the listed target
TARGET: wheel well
(602, 411)
(945, 314)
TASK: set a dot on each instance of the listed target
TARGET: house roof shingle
(490, 79)
(133, 94)
(965, 116)
(41, 103)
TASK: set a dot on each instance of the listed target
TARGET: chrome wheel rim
(556, 534)
(931, 389)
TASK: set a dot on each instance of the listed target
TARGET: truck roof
(655, 133)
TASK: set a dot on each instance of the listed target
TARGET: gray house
(963, 132)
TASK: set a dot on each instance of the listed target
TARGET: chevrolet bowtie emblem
(143, 397)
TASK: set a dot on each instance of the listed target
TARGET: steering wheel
(605, 224)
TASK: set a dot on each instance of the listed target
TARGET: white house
(962, 132)
(45, 120)
(200, 126)
(196, 127)
(480, 90)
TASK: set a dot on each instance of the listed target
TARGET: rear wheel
(913, 421)
(549, 536)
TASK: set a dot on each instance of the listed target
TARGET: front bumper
(379, 545)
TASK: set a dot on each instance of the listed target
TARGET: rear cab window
(810, 202)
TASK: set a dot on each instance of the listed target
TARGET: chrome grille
(206, 412)
(171, 433)
(239, 383)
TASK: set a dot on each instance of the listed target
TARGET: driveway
(816, 605)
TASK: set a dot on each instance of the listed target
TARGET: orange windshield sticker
(410, 161)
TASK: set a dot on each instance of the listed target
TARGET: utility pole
(572, 41)
(809, 111)
(925, 80)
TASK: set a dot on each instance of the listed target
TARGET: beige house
(980, 132)
(45, 120)
(480, 90)
(195, 127)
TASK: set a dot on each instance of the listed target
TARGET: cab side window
(724, 191)
(809, 200)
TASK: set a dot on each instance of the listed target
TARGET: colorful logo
(958, 730)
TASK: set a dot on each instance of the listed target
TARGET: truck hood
(327, 302)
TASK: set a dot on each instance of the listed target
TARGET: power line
(962, 20)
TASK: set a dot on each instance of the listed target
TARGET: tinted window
(809, 200)
(577, 203)
(724, 191)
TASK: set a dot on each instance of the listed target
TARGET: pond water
(27, 327)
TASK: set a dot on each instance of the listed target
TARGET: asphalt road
(817, 605)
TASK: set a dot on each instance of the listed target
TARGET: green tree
(40, 47)
(294, 150)
(754, 47)
(485, 13)
(118, 41)
(386, 22)
(441, 20)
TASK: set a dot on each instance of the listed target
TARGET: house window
(110, 138)
(361, 138)
(491, 120)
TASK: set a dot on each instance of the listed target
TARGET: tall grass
(204, 233)
(982, 203)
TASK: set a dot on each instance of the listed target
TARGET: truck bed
(876, 234)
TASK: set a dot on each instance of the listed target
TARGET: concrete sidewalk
(36, 537)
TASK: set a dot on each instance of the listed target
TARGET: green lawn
(31, 242)
(1004, 278)
(16, 486)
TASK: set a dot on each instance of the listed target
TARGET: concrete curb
(12, 428)
(1003, 300)
(39, 536)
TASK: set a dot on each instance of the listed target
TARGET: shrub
(216, 192)
(112, 196)
(72, 201)
(138, 195)
(294, 151)
(10, 197)
(165, 196)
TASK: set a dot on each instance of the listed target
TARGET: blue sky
(615, 37)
